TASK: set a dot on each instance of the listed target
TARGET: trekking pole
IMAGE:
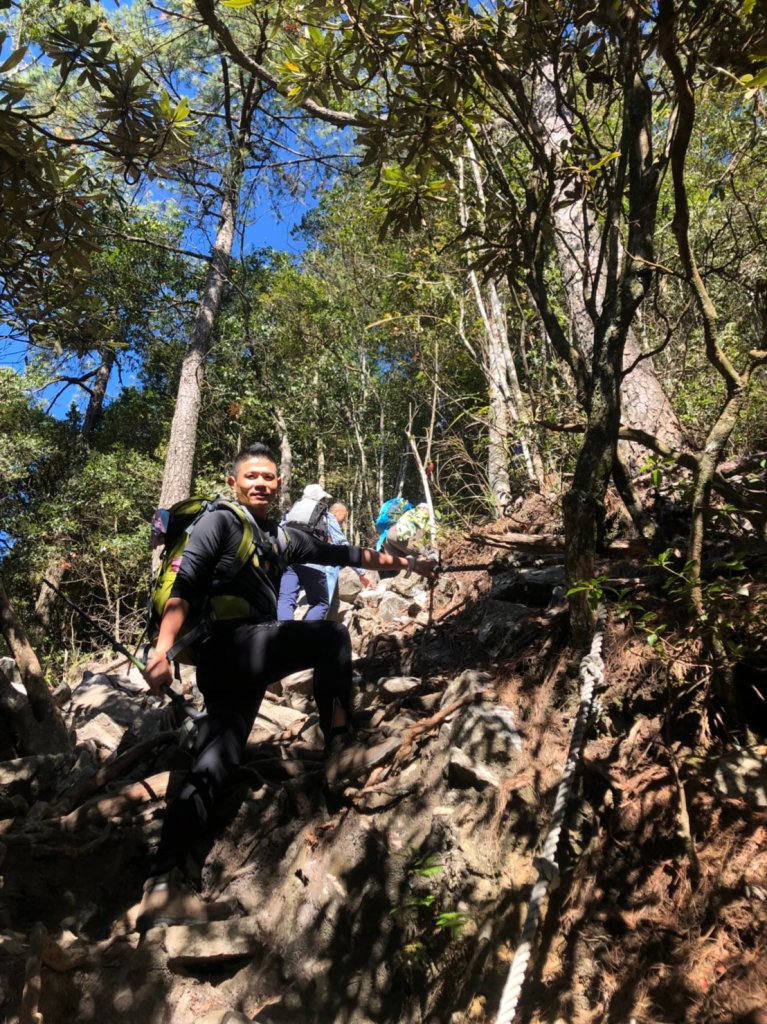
(176, 698)
(474, 567)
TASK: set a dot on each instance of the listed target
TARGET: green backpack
(171, 529)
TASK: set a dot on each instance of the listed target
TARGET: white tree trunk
(286, 461)
(509, 408)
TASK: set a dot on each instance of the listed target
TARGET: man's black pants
(234, 668)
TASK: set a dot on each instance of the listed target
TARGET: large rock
(277, 718)
(225, 1017)
(103, 731)
(34, 778)
(469, 683)
(500, 624)
(100, 694)
(348, 585)
(404, 585)
(398, 686)
(533, 587)
(463, 772)
(392, 606)
(214, 942)
(10, 670)
(486, 734)
(300, 683)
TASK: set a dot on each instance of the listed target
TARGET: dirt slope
(402, 900)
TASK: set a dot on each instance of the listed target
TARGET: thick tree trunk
(645, 405)
(179, 462)
(583, 504)
(52, 737)
(604, 289)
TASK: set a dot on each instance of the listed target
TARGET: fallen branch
(436, 719)
(112, 770)
(553, 543)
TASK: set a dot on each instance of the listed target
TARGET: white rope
(591, 675)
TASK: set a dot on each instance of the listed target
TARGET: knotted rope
(591, 675)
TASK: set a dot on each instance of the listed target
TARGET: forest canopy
(531, 260)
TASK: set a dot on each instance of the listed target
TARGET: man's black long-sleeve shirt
(212, 549)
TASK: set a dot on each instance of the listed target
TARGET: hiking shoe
(345, 759)
(169, 900)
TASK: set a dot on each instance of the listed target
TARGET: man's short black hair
(253, 451)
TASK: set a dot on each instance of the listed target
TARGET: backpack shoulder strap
(256, 539)
(248, 541)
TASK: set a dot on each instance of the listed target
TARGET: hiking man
(238, 659)
(338, 516)
(318, 581)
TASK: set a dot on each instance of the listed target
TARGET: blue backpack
(388, 515)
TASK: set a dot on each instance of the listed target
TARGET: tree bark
(604, 288)
(95, 409)
(53, 737)
(179, 461)
(508, 407)
(286, 461)
(645, 405)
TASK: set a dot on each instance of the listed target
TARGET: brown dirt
(661, 914)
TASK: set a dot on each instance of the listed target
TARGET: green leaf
(605, 160)
(15, 58)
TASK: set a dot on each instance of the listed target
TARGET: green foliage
(375, 316)
(424, 924)
(53, 188)
(730, 614)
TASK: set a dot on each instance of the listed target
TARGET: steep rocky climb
(401, 897)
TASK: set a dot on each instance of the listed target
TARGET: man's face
(340, 513)
(255, 484)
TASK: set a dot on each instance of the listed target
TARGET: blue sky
(267, 227)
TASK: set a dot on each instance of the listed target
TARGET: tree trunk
(509, 408)
(318, 431)
(59, 563)
(583, 504)
(179, 462)
(286, 461)
(53, 737)
(604, 288)
(645, 405)
(98, 394)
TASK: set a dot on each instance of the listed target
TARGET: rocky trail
(403, 900)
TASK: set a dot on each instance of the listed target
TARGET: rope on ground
(592, 676)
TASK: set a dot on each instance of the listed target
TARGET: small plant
(422, 919)
(657, 467)
(594, 590)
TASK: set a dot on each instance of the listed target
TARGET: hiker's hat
(316, 493)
